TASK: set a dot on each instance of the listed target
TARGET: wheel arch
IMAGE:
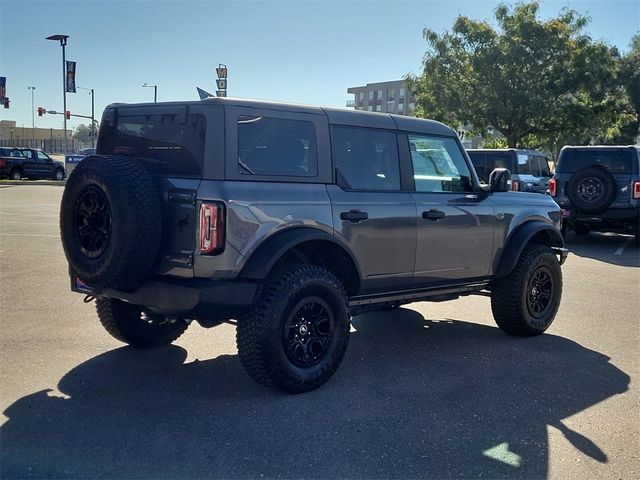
(534, 231)
(304, 245)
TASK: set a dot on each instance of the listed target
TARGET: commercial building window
(275, 146)
(379, 94)
(401, 92)
(366, 159)
(378, 108)
(391, 95)
(370, 94)
(438, 165)
(370, 108)
(361, 96)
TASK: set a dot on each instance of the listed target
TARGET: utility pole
(63, 43)
(33, 118)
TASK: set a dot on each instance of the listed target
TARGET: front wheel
(526, 301)
(58, 175)
(129, 324)
(297, 333)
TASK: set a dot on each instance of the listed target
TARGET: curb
(33, 182)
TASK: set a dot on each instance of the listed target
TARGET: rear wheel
(127, 323)
(526, 301)
(16, 175)
(297, 333)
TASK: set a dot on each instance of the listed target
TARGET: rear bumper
(194, 298)
(610, 216)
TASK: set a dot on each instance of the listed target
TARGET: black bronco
(288, 220)
(598, 188)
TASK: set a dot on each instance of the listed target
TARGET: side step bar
(407, 296)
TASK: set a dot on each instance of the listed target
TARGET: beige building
(49, 139)
(389, 97)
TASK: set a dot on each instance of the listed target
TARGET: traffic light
(40, 111)
(68, 115)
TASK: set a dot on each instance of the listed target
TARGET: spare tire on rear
(111, 222)
(591, 190)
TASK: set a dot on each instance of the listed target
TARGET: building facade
(388, 97)
(49, 139)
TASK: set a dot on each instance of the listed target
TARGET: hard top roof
(336, 116)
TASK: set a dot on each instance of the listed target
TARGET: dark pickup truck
(32, 163)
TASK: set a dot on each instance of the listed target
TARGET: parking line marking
(622, 247)
(27, 235)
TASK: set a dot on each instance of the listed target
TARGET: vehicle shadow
(413, 398)
(612, 248)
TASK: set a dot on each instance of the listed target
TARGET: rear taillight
(515, 185)
(553, 187)
(211, 228)
(636, 190)
(2, 163)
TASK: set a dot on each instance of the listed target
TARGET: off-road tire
(127, 323)
(591, 190)
(510, 295)
(261, 333)
(128, 222)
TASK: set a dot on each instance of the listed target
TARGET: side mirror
(499, 180)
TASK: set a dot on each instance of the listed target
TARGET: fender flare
(262, 260)
(508, 258)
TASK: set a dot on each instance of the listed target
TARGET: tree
(630, 78)
(529, 79)
(83, 133)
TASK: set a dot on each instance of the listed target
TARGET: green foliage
(532, 80)
(83, 133)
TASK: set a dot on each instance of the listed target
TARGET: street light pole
(33, 117)
(93, 120)
(155, 91)
(63, 43)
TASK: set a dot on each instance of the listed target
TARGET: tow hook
(561, 253)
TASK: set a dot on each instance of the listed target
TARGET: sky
(303, 52)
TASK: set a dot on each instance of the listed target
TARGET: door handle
(354, 216)
(433, 214)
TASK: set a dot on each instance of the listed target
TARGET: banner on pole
(3, 88)
(71, 77)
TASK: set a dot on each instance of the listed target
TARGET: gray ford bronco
(287, 220)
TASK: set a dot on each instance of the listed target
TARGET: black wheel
(526, 301)
(16, 174)
(297, 333)
(591, 190)
(581, 229)
(110, 222)
(127, 323)
(58, 175)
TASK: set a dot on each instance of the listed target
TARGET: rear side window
(497, 160)
(616, 161)
(545, 170)
(367, 159)
(527, 164)
(478, 159)
(167, 144)
(276, 147)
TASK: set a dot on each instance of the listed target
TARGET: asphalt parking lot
(430, 391)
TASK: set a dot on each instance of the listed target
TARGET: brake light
(211, 228)
(2, 163)
(515, 186)
(553, 187)
(636, 190)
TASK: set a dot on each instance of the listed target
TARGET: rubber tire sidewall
(509, 294)
(265, 326)
(125, 262)
(55, 175)
(608, 196)
(13, 175)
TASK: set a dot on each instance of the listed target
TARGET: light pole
(63, 43)
(93, 120)
(33, 117)
(155, 91)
